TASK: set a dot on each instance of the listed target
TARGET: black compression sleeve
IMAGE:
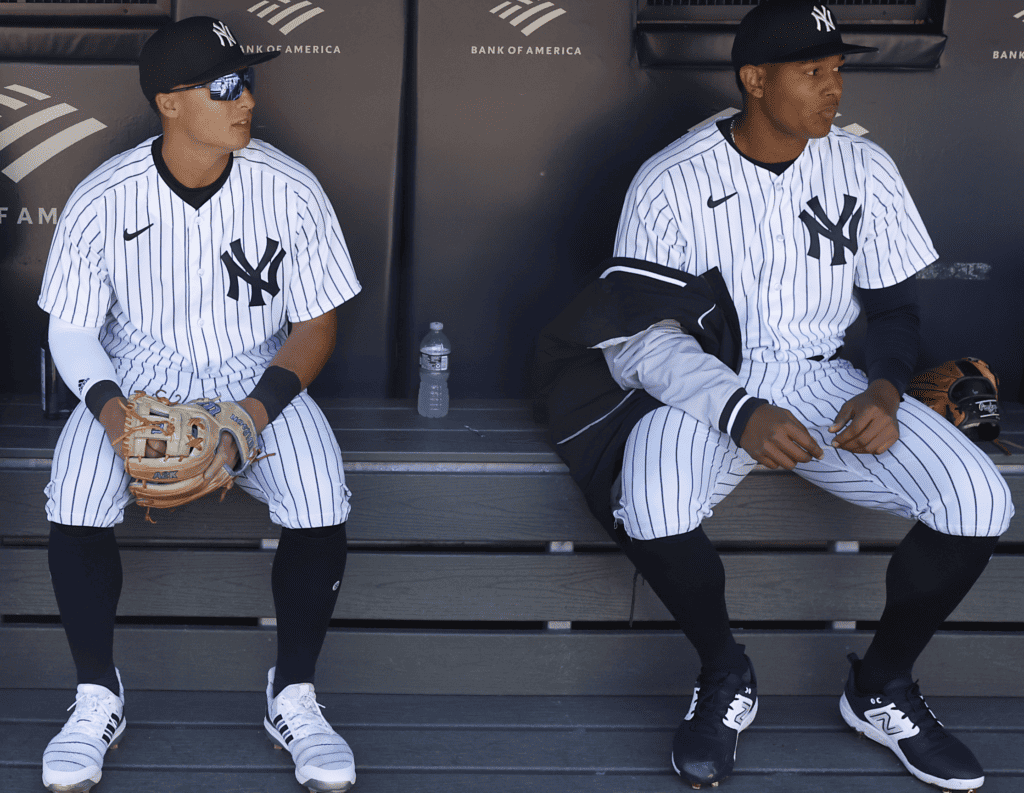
(893, 336)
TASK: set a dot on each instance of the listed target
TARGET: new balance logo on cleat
(892, 721)
(739, 712)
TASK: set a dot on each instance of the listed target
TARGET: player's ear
(167, 105)
(753, 78)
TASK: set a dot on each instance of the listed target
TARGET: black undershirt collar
(774, 167)
(193, 196)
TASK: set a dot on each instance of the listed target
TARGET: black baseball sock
(686, 572)
(85, 568)
(306, 576)
(928, 575)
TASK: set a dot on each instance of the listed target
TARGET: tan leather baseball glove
(191, 432)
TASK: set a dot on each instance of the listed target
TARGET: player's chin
(821, 130)
(820, 125)
(240, 134)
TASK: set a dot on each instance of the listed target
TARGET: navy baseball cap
(192, 51)
(782, 31)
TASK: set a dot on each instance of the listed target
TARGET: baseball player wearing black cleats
(724, 704)
(899, 717)
(744, 252)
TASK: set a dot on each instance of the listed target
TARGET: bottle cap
(436, 325)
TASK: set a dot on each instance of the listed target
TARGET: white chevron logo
(536, 14)
(18, 97)
(1019, 16)
(265, 8)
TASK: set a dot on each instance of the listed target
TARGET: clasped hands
(865, 424)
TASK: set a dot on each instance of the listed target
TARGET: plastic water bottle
(434, 351)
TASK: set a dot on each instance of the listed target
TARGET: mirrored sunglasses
(226, 88)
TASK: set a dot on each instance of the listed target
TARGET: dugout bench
(482, 639)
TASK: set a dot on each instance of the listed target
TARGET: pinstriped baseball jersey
(203, 290)
(791, 246)
(193, 303)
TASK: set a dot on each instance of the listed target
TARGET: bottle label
(434, 363)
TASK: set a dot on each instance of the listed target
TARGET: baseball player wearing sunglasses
(176, 267)
(227, 88)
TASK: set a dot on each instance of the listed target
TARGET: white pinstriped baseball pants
(676, 470)
(302, 481)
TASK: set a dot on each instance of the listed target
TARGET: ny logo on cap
(821, 16)
(224, 35)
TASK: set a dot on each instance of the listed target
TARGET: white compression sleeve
(79, 356)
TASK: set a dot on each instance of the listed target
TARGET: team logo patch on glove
(966, 392)
(191, 432)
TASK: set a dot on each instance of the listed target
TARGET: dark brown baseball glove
(966, 392)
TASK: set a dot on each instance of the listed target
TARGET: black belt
(822, 357)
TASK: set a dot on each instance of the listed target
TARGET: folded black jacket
(589, 416)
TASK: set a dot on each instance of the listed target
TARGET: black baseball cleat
(723, 706)
(900, 718)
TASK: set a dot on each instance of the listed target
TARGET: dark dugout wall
(478, 179)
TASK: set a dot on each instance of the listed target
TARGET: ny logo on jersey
(224, 35)
(822, 16)
(820, 226)
(239, 267)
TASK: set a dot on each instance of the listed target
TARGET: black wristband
(276, 389)
(100, 394)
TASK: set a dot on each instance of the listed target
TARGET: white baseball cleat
(323, 761)
(73, 760)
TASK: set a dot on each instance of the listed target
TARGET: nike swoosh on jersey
(129, 237)
(712, 203)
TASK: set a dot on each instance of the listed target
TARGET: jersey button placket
(775, 240)
(198, 296)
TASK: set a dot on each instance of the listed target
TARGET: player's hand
(227, 449)
(227, 454)
(112, 419)
(869, 419)
(776, 439)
